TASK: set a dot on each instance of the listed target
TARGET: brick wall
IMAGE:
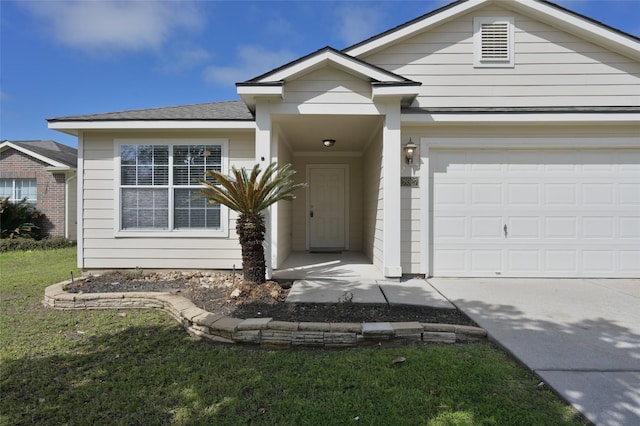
(51, 186)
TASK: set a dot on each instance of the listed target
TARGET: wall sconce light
(329, 142)
(409, 151)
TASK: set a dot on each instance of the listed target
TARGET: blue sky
(64, 58)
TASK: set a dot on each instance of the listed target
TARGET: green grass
(140, 367)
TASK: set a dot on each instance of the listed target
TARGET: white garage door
(536, 213)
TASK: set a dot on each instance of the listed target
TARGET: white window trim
(223, 232)
(13, 199)
(478, 61)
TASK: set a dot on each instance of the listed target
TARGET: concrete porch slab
(327, 266)
(335, 291)
(414, 292)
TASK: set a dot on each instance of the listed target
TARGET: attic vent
(493, 39)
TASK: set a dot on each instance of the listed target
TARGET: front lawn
(140, 367)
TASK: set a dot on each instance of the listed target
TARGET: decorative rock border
(265, 332)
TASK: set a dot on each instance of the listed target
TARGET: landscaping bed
(226, 294)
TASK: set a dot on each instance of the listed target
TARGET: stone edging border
(262, 331)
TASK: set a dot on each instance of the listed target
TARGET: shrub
(23, 244)
(20, 220)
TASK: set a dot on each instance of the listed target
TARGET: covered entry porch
(355, 107)
(336, 227)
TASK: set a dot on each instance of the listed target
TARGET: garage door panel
(451, 194)
(567, 212)
(450, 227)
(486, 194)
(451, 262)
(630, 261)
(523, 194)
(483, 227)
(598, 227)
(527, 227)
(562, 227)
(560, 194)
(630, 194)
(598, 261)
(630, 227)
(523, 261)
(561, 261)
(486, 260)
(597, 194)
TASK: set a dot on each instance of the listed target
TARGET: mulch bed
(226, 294)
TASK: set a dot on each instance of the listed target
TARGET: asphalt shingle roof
(51, 149)
(227, 111)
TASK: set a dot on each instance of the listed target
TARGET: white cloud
(179, 58)
(114, 25)
(357, 23)
(252, 61)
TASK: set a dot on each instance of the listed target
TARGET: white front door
(536, 213)
(327, 207)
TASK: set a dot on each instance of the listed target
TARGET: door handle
(310, 213)
(505, 230)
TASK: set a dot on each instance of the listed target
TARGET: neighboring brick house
(44, 172)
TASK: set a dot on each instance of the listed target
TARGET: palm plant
(249, 194)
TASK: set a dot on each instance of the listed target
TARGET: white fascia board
(579, 26)
(521, 118)
(74, 126)
(44, 159)
(60, 169)
(412, 29)
(261, 90)
(330, 57)
(397, 91)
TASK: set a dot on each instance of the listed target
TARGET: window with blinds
(493, 39)
(19, 189)
(159, 186)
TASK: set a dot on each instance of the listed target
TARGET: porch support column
(391, 169)
(264, 158)
(426, 215)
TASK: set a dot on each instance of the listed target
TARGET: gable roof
(230, 110)
(383, 82)
(323, 56)
(543, 10)
(51, 152)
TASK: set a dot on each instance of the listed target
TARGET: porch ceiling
(305, 133)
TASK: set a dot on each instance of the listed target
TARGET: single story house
(486, 138)
(43, 172)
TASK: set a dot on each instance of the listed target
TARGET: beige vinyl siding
(410, 230)
(372, 201)
(411, 212)
(552, 68)
(102, 250)
(355, 190)
(327, 86)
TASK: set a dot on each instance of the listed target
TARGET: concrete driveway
(581, 336)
